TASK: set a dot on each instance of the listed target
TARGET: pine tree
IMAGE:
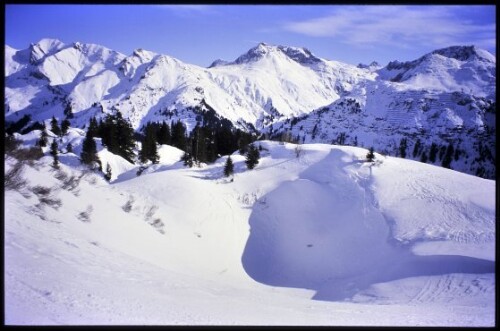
(211, 152)
(69, 148)
(253, 156)
(187, 159)
(370, 156)
(148, 150)
(179, 136)
(433, 153)
(423, 158)
(125, 138)
(107, 175)
(402, 147)
(446, 163)
(55, 127)
(442, 150)
(53, 151)
(244, 140)
(228, 167)
(226, 141)
(457, 153)
(107, 131)
(93, 128)
(89, 152)
(42, 142)
(199, 146)
(163, 135)
(416, 149)
(65, 126)
(118, 136)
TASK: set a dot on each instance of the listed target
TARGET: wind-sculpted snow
(312, 230)
(329, 230)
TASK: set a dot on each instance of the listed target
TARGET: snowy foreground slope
(323, 239)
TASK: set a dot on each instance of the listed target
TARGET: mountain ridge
(264, 88)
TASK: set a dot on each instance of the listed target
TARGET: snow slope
(322, 239)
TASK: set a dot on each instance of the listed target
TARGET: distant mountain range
(446, 97)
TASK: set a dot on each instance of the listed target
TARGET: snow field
(254, 251)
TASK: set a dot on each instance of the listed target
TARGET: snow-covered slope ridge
(445, 97)
(448, 95)
(449, 69)
(396, 242)
(267, 82)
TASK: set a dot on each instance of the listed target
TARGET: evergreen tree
(355, 141)
(187, 159)
(69, 148)
(163, 135)
(457, 153)
(55, 127)
(125, 138)
(179, 136)
(65, 126)
(402, 147)
(416, 149)
(89, 152)
(149, 150)
(42, 142)
(53, 151)
(228, 167)
(442, 150)
(226, 141)
(118, 136)
(433, 153)
(423, 158)
(252, 157)
(448, 156)
(107, 131)
(370, 156)
(93, 128)
(211, 151)
(244, 140)
(107, 175)
(198, 144)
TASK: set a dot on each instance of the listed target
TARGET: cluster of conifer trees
(204, 144)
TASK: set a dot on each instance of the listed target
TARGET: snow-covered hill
(319, 239)
(441, 93)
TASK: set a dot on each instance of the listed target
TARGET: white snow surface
(320, 239)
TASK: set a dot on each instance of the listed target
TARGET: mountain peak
(254, 53)
(465, 53)
(143, 54)
(218, 62)
(47, 43)
(373, 65)
(299, 54)
(44, 47)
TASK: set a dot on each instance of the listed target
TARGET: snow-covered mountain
(312, 236)
(445, 96)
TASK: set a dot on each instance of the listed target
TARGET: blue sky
(199, 34)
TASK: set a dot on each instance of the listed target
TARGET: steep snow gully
(325, 231)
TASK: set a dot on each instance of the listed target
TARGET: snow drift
(323, 239)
